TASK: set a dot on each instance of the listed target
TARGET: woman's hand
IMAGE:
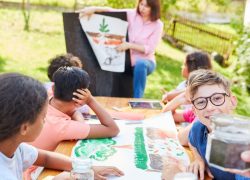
(123, 47)
(102, 171)
(87, 11)
(82, 96)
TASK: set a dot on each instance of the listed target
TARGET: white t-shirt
(12, 168)
(182, 85)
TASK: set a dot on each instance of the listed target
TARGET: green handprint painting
(97, 149)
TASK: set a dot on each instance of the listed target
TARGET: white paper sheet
(138, 149)
(105, 33)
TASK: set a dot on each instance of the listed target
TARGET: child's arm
(183, 135)
(99, 172)
(108, 127)
(198, 165)
(53, 160)
(59, 161)
(77, 116)
(168, 96)
(175, 102)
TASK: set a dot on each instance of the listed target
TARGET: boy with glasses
(210, 94)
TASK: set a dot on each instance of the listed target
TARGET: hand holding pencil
(164, 96)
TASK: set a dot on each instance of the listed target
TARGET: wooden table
(65, 147)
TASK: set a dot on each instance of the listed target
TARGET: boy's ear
(194, 110)
(234, 101)
(24, 129)
(53, 87)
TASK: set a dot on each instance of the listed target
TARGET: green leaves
(243, 64)
(103, 26)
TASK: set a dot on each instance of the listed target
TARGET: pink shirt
(147, 34)
(58, 127)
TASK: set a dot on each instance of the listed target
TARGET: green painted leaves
(103, 26)
(97, 149)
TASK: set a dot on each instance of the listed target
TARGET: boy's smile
(208, 92)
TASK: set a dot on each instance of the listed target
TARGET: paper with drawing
(138, 148)
(105, 33)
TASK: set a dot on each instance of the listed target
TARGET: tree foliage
(165, 4)
(121, 3)
(243, 63)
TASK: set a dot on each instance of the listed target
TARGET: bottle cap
(81, 165)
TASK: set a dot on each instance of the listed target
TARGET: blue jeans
(142, 68)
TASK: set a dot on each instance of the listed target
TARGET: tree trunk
(26, 14)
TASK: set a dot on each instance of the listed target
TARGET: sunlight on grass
(167, 50)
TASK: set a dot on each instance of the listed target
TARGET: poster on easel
(104, 34)
(138, 150)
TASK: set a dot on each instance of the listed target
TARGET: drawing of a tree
(98, 149)
(103, 26)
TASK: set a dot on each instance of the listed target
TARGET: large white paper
(105, 33)
(139, 148)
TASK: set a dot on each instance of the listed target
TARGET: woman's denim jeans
(142, 69)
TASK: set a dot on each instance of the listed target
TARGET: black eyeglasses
(216, 99)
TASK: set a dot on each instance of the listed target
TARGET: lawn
(29, 52)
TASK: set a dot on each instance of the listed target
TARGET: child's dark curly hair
(22, 98)
(67, 80)
(198, 60)
(61, 61)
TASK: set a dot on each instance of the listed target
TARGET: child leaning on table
(210, 94)
(63, 120)
(23, 106)
(176, 98)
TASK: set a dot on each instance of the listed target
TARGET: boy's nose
(210, 106)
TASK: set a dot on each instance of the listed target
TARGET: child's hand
(197, 167)
(171, 166)
(245, 173)
(164, 98)
(82, 96)
(62, 176)
(102, 171)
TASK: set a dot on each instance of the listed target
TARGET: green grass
(29, 52)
